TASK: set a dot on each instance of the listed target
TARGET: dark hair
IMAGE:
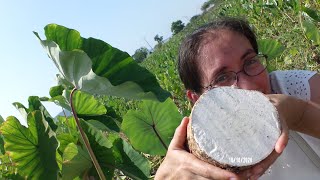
(188, 62)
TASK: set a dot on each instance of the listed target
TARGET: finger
(209, 171)
(259, 169)
(282, 140)
(180, 135)
(281, 143)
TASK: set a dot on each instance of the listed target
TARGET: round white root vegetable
(233, 128)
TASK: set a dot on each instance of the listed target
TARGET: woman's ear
(192, 96)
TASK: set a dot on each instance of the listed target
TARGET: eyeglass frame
(210, 86)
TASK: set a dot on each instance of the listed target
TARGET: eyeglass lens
(252, 67)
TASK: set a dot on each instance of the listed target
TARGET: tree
(140, 54)
(159, 39)
(177, 26)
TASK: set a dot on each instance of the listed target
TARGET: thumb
(180, 135)
(283, 139)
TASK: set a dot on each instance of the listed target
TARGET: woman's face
(228, 51)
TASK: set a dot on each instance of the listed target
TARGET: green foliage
(155, 123)
(312, 13)
(86, 104)
(33, 149)
(75, 161)
(110, 81)
(132, 163)
(140, 54)
(205, 6)
(112, 69)
(193, 18)
(271, 48)
(8, 170)
(177, 26)
(312, 32)
(277, 20)
(35, 104)
(1, 119)
(56, 90)
(112, 153)
(97, 69)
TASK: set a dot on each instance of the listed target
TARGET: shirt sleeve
(293, 83)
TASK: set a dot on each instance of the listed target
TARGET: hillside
(281, 22)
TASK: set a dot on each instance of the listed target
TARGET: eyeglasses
(251, 67)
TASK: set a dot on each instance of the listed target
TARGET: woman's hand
(300, 115)
(180, 164)
(291, 108)
(259, 169)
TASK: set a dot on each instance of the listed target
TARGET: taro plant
(94, 141)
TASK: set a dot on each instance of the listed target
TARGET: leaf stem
(158, 135)
(155, 130)
(85, 139)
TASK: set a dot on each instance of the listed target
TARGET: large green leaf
(113, 72)
(35, 104)
(33, 149)
(86, 104)
(271, 48)
(56, 93)
(112, 152)
(8, 169)
(75, 161)
(312, 32)
(22, 109)
(67, 132)
(312, 13)
(101, 147)
(65, 139)
(133, 164)
(56, 90)
(109, 123)
(151, 128)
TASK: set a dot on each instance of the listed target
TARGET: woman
(225, 53)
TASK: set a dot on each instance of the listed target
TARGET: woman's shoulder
(291, 82)
(293, 74)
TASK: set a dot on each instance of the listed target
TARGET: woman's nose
(244, 81)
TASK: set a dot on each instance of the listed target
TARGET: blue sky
(25, 68)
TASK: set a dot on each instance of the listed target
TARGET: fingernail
(233, 178)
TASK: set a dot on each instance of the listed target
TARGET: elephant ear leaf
(312, 32)
(98, 68)
(271, 48)
(86, 104)
(32, 149)
(133, 164)
(151, 128)
(35, 104)
(75, 161)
